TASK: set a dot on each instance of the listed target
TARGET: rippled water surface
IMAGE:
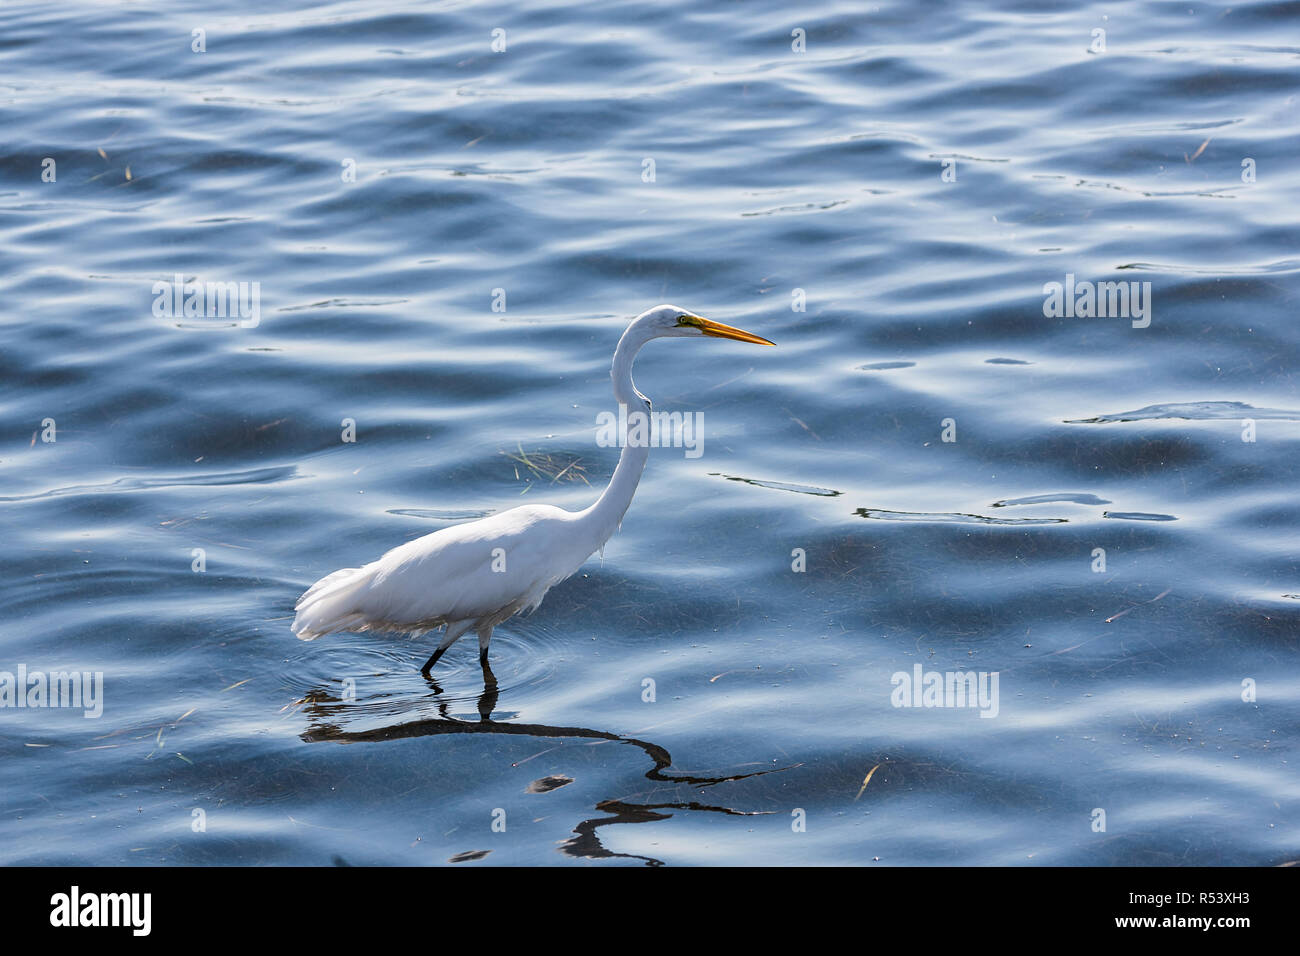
(1102, 513)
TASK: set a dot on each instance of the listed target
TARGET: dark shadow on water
(322, 705)
(585, 842)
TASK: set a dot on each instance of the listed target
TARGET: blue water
(184, 442)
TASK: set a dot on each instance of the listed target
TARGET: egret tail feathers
(330, 604)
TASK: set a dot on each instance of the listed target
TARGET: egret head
(669, 320)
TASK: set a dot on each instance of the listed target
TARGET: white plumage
(478, 574)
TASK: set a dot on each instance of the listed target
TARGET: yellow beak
(718, 330)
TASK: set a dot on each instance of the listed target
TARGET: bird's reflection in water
(322, 704)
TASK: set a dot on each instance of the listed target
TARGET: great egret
(478, 574)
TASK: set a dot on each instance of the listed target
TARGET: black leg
(433, 659)
(482, 657)
(487, 702)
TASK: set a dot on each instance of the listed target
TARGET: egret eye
(687, 319)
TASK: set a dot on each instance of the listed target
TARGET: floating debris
(547, 784)
(866, 780)
(468, 856)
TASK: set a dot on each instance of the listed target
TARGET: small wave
(436, 515)
(1191, 411)
(255, 476)
(1272, 268)
(950, 517)
(803, 207)
(342, 304)
(782, 485)
(1078, 498)
(386, 667)
(885, 366)
(1138, 516)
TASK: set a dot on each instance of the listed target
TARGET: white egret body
(478, 574)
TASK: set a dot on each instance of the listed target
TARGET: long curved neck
(604, 517)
